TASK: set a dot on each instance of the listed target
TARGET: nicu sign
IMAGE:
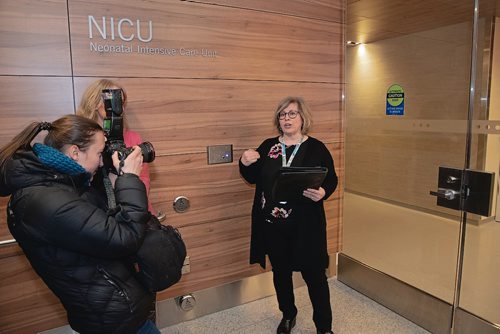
(395, 104)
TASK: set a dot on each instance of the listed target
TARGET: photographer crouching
(79, 250)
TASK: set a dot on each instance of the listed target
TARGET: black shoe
(286, 325)
(324, 332)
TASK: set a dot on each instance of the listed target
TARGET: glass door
(479, 288)
(417, 97)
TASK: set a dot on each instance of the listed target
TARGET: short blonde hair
(303, 110)
(91, 99)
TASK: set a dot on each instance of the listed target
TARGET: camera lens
(148, 151)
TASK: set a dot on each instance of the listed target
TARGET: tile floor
(353, 313)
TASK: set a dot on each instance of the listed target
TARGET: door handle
(448, 194)
(465, 189)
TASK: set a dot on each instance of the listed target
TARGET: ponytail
(21, 141)
(67, 130)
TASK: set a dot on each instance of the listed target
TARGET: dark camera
(113, 130)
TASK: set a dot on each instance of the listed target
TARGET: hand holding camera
(131, 163)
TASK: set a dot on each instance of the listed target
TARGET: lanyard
(283, 153)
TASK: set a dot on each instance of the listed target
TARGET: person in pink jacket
(91, 106)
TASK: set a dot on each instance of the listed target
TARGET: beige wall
(396, 158)
(264, 50)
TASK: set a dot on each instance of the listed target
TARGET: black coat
(308, 216)
(80, 251)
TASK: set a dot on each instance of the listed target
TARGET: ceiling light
(352, 43)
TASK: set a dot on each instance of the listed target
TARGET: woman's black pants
(280, 251)
(319, 294)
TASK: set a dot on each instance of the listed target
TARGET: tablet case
(292, 181)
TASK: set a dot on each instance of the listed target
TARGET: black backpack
(159, 260)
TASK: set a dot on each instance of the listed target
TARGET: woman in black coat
(80, 250)
(292, 233)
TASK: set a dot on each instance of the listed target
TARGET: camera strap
(122, 163)
(110, 193)
(108, 186)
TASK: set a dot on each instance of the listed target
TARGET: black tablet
(292, 181)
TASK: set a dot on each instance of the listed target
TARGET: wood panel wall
(258, 53)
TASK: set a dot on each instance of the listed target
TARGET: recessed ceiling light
(352, 43)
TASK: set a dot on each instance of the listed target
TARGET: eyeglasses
(291, 114)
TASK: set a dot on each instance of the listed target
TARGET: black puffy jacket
(80, 251)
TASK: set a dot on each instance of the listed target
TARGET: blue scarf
(57, 160)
